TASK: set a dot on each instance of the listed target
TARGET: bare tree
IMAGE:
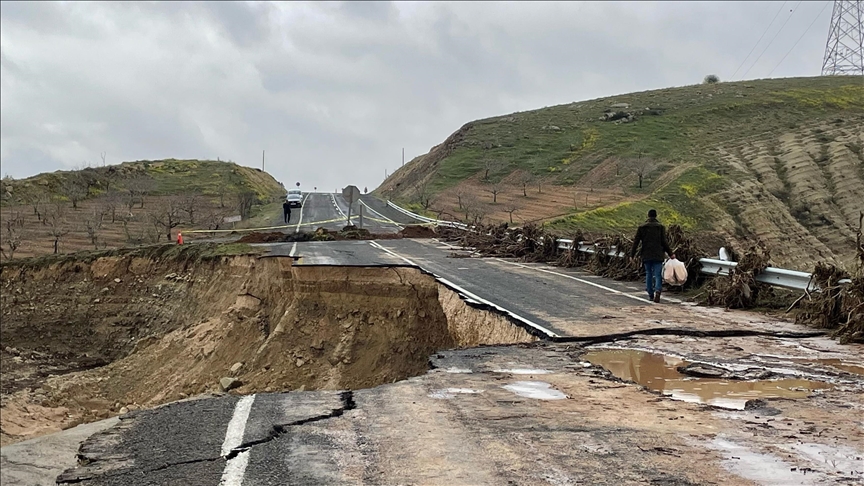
(494, 189)
(93, 223)
(74, 188)
(167, 214)
(478, 212)
(641, 166)
(13, 236)
(460, 194)
(111, 202)
(139, 186)
(190, 204)
(213, 218)
(511, 208)
(245, 201)
(102, 156)
(490, 165)
(58, 227)
(38, 201)
(469, 201)
(423, 195)
(525, 180)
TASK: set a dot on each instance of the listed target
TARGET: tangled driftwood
(739, 289)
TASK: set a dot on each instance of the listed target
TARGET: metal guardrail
(439, 222)
(778, 277)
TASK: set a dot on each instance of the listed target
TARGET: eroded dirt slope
(83, 341)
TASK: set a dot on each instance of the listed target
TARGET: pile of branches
(616, 265)
(573, 257)
(739, 289)
(834, 305)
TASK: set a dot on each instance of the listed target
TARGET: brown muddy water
(659, 373)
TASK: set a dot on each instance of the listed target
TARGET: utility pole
(844, 51)
(403, 157)
(262, 160)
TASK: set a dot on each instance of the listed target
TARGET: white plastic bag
(674, 272)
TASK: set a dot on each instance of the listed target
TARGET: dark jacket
(286, 208)
(652, 236)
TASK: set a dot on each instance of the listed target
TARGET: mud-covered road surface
(402, 375)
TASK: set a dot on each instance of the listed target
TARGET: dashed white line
(235, 470)
(587, 282)
(337, 206)
(293, 250)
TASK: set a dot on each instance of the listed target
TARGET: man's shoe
(657, 297)
(650, 296)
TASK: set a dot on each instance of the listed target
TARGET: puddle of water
(845, 460)
(764, 469)
(839, 364)
(539, 390)
(658, 372)
(523, 371)
(446, 393)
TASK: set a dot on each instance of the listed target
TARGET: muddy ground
(84, 340)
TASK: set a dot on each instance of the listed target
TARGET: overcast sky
(334, 91)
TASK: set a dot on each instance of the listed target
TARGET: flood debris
(739, 289)
(836, 305)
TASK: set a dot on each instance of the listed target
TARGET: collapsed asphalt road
(529, 413)
(330, 211)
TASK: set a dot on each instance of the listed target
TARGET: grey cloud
(333, 91)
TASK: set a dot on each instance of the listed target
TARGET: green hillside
(778, 160)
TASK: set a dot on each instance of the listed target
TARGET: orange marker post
(179, 238)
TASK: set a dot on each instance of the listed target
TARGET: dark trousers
(286, 213)
(653, 277)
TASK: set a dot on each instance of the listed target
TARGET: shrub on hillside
(711, 79)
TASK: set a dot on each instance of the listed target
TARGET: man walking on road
(286, 212)
(652, 236)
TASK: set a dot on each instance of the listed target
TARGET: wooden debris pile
(686, 252)
(611, 258)
(835, 305)
(739, 289)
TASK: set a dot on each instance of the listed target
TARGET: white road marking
(293, 250)
(302, 205)
(237, 425)
(618, 292)
(235, 468)
(337, 206)
(469, 295)
(379, 214)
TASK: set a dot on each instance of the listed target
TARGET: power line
(772, 39)
(758, 41)
(799, 39)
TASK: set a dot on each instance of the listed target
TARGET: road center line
(470, 295)
(587, 282)
(235, 469)
(302, 205)
(293, 250)
(337, 206)
(237, 425)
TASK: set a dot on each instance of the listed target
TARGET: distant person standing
(286, 212)
(651, 235)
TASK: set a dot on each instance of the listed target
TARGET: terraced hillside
(774, 161)
(127, 204)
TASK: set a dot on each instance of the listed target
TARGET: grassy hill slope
(126, 204)
(778, 161)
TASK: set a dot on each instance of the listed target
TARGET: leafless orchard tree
(245, 201)
(12, 237)
(641, 166)
(469, 202)
(478, 212)
(511, 208)
(75, 189)
(490, 165)
(525, 180)
(212, 218)
(93, 224)
(168, 214)
(38, 201)
(494, 189)
(460, 194)
(58, 227)
(139, 186)
(423, 195)
(111, 202)
(190, 204)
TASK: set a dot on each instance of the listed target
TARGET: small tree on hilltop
(711, 79)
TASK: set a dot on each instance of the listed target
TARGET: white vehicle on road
(294, 198)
